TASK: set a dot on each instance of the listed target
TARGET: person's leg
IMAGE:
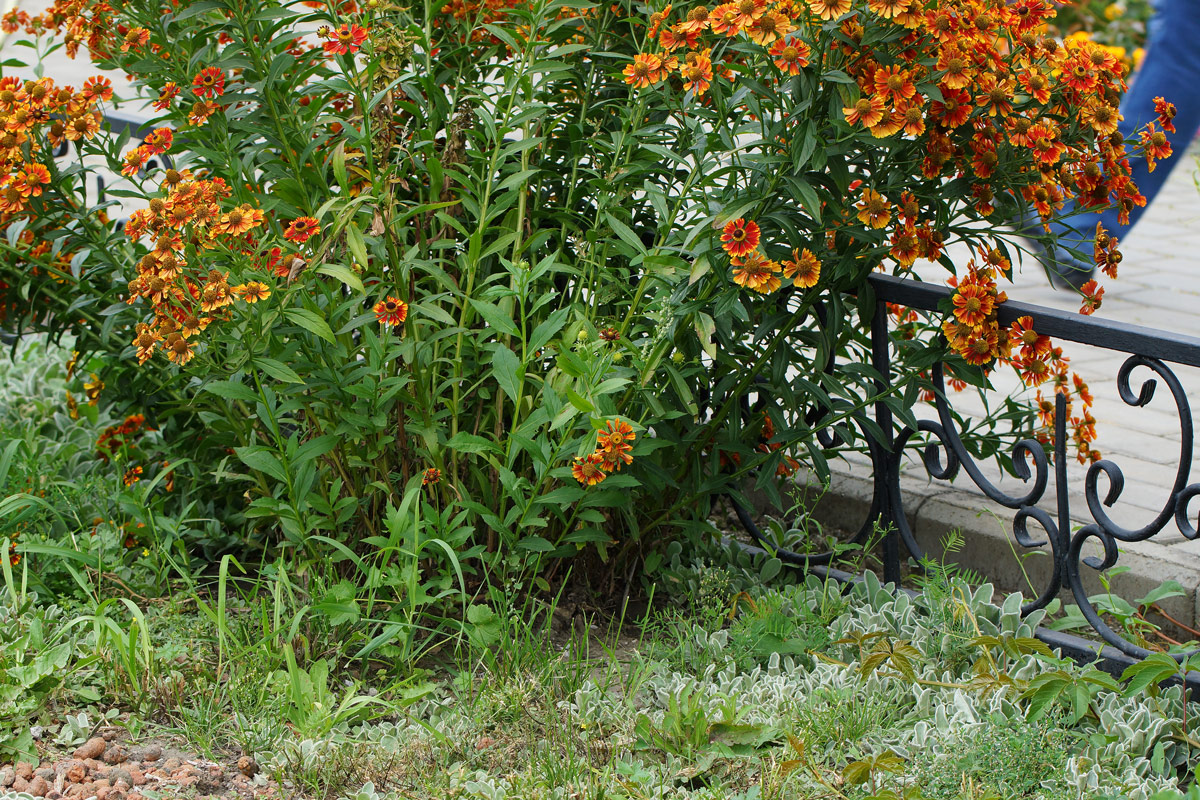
(1171, 69)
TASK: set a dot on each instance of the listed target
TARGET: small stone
(7, 776)
(75, 771)
(121, 786)
(102, 793)
(247, 766)
(46, 772)
(38, 787)
(93, 748)
(172, 764)
(115, 754)
(134, 796)
(54, 794)
(75, 790)
(20, 785)
(153, 752)
(117, 774)
(109, 735)
(137, 777)
(24, 770)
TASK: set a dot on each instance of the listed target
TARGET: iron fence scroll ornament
(944, 455)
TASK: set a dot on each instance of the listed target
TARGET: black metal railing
(944, 457)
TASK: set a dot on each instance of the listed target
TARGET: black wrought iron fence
(944, 456)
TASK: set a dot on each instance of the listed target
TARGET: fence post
(884, 462)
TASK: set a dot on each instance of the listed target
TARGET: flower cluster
(787, 465)
(613, 450)
(975, 83)
(752, 269)
(35, 117)
(186, 298)
(115, 437)
(974, 333)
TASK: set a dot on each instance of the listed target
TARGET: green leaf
(231, 390)
(508, 371)
(356, 244)
(496, 319)
(343, 274)
(311, 322)
(470, 443)
(262, 460)
(625, 233)
(277, 370)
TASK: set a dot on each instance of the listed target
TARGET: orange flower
(1155, 145)
(347, 39)
(889, 9)
(1093, 294)
(696, 21)
(135, 38)
(956, 68)
(97, 88)
(239, 220)
(740, 237)
(980, 347)
(85, 126)
(166, 96)
(790, 55)
(1033, 345)
(749, 11)
(757, 273)
(178, 349)
(1034, 372)
(906, 246)
(645, 70)
(614, 444)
(894, 82)
(697, 72)
(11, 200)
(201, 110)
(253, 291)
(769, 27)
(803, 270)
(391, 311)
(301, 230)
(32, 178)
(1166, 114)
(972, 305)
(432, 475)
(868, 111)
(724, 20)
(829, 9)
(589, 470)
(210, 82)
(873, 209)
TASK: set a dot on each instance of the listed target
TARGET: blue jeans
(1171, 70)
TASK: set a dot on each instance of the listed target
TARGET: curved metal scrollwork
(944, 456)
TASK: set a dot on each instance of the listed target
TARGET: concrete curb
(935, 509)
